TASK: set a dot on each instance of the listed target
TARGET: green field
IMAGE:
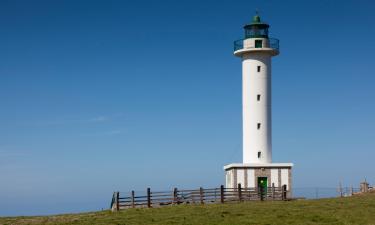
(355, 210)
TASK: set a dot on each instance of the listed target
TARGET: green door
(258, 43)
(262, 185)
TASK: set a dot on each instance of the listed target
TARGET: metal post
(340, 190)
(273, 191)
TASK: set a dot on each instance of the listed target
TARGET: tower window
(259, 155)
(258, 69)
(258, 98)
(258, 126)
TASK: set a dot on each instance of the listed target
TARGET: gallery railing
(239, 44)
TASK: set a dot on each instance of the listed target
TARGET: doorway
(262, 186)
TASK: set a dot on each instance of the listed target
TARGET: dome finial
(256, 18)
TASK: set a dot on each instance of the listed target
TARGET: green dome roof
(256, 19)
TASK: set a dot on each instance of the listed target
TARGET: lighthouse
(257, 170)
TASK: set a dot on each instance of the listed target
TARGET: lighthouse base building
(259, 175)
(257, 169)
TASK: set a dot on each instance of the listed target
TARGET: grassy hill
(355, 210)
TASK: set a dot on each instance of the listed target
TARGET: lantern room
(256, 29)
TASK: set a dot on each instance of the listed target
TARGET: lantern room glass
(256, 31)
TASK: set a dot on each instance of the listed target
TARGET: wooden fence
(198, 196)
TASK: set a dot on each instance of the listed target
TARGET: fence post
(117, 201)
(148, 197)
(113, 201)
(239, 192)
(340, 190)
(222, 193)
(175, 196)
(133, 199)
(273, 191)
(262, 193)
(284, 192)
(201, 195)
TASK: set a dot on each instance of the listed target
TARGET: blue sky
(100, 96)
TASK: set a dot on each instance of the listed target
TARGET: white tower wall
(256, 102)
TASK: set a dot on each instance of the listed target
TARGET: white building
(257, 169)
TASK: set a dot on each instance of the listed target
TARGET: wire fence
(323, 192)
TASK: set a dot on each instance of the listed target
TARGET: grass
(355, 210)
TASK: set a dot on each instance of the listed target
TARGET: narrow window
(259, 155)
(258, 126)
(258, 69)
(258, 98)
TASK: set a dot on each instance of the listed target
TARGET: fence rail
(197, 196)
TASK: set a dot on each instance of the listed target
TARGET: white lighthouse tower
(257, 169)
